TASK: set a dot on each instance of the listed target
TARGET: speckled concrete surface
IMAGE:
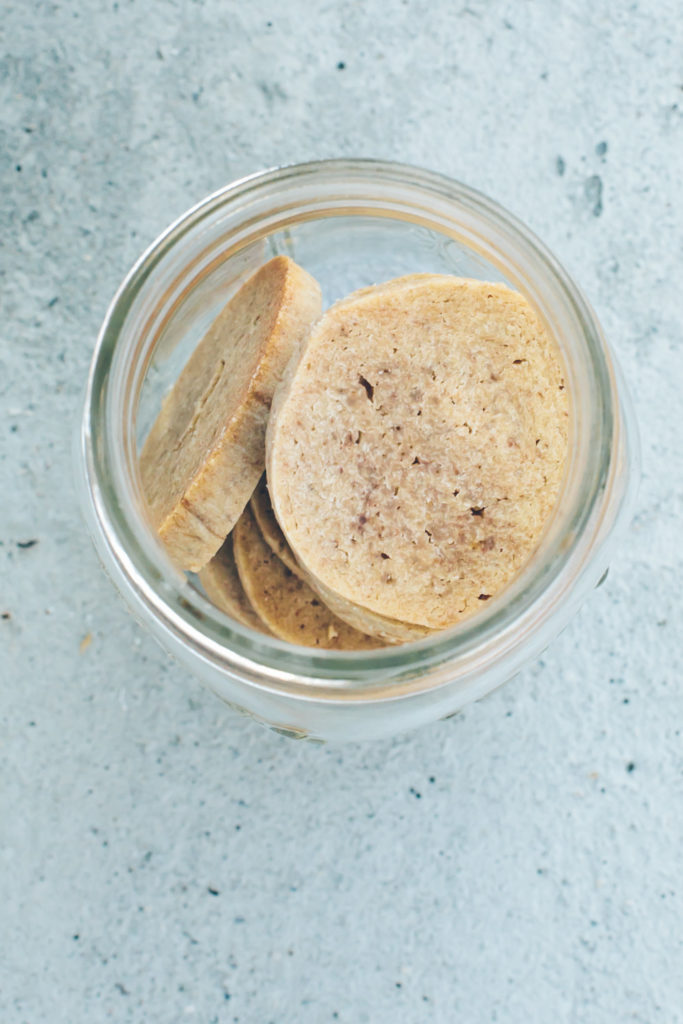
(164, 861)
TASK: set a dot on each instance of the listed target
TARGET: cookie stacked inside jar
(366, 475)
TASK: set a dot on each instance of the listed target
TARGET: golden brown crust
(205, 452)
(391, 631)
(360, 618)
(290, 609)
(416, 449)
(262, 511)
(221, 582)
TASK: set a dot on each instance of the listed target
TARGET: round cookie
(290, 609)
(221, 581)
(205, 452)
(416, 448)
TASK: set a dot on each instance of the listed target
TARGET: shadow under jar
(350, 223)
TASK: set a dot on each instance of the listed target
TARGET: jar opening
(389, 215)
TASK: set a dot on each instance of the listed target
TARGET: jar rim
(160, 592)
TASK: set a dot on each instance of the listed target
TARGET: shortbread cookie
(221, 581)
(205, 452)
(290, 609)
(416, 449)
(267, 523)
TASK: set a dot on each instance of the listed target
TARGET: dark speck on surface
(418, 796)
(602, 578)
(340, 65)
(26, 543)
(6, 615)
(560, 166)
(214, 892)
(593, 192)
(601, 148)
(630, 766)
(272, 91)
(369, 390)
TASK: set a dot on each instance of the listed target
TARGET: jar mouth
(254, 207)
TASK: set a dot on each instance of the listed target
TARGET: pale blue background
(502, 866)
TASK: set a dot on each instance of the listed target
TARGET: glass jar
(350, 223)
